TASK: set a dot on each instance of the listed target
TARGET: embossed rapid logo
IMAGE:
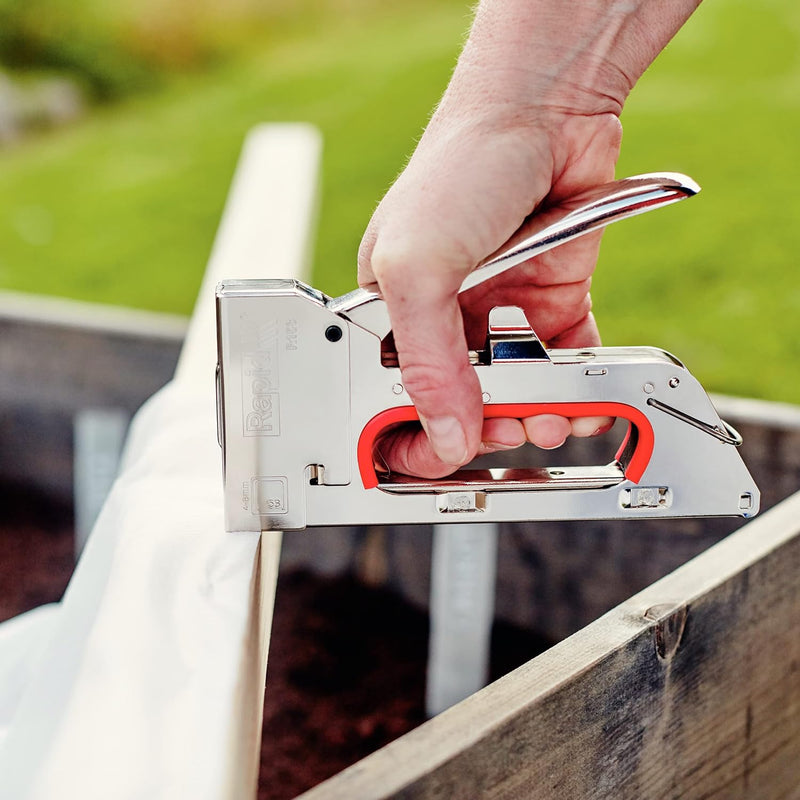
(260, 385)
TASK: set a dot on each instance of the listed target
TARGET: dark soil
(347, 676)
(37, 553)
(347, 662)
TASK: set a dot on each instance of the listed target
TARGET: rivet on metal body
(333, 333)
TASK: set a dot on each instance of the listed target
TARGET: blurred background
(120, 125)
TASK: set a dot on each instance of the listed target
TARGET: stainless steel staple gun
(304, 392)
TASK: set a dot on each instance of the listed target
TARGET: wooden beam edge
(62, 312)
(156, 694)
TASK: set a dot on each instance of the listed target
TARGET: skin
(529, 119)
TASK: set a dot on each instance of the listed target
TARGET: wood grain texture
(245, 740)
(603, 715)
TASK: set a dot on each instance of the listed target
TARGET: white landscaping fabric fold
(151, 683)
(22, 640)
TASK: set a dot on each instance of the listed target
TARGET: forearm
(575, 56)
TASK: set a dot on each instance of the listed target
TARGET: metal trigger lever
(582, 214)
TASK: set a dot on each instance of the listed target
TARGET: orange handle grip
(643, 442)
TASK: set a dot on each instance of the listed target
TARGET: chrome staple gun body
(304, 392)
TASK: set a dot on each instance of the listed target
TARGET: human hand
(494, 151)
(433, 327)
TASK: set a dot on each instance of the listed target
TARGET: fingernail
(496, 447)
(447, 438)
(589, 426)
(584, 426)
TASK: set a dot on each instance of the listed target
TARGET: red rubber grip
(645, 439)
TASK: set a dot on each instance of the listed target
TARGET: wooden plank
(689, 689)
(58, 357)
(751, 411)
(152, 683)
(248, 706)
(64, 355)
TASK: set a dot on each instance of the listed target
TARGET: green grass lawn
(123, 207)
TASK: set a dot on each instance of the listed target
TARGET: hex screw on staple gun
(303, 392)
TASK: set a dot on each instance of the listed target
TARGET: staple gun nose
(305, 389)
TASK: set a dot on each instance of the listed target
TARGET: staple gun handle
(582, 214)
(542, 231)
(635, 451)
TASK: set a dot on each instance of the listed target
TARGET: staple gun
(304, 391)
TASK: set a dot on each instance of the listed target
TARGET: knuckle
(410, 264)
(436, 390)
(365, 251)
(390, 261)
(578, 313)
(427, 384)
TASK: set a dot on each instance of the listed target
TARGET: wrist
(566, 56)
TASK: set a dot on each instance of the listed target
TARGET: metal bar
(462, 609)
(99, 439)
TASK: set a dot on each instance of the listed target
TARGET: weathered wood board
(59, 357)
(690, 689)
